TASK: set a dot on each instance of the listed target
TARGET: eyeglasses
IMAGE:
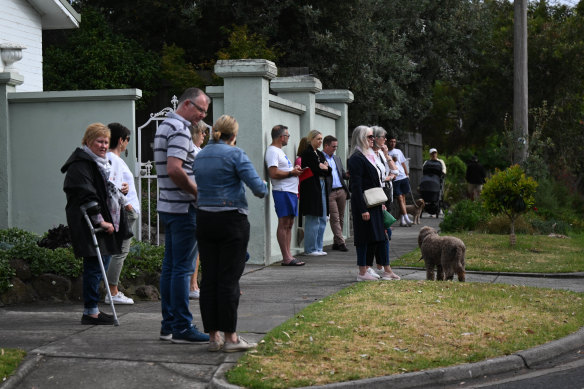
(201, 110)
(370, 136)
(286, 135)
(381, 136)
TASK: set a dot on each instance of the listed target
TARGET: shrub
(6, 273)
(143, 258)
(14, 236)
(500, 225)
(464, 216)
(454, 182)
(56, 237)
(550, 226)
(511, 193)
(41, 260)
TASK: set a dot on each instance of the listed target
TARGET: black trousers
(223, 238)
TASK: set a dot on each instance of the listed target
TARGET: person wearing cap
(434, 157)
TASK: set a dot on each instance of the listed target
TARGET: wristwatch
(289, 174)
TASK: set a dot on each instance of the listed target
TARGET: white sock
(407, 219)
(402, 219)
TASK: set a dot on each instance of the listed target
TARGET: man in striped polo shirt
(174, 155)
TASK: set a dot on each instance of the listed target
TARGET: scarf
(369, 154)
(115, 198)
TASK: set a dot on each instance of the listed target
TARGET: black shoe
(101, 319)
(340, 247)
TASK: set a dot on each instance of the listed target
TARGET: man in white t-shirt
(401, 185)
(284, 177)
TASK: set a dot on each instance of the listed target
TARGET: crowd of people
(203, 209)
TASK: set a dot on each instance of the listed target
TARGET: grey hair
(378, 131)
(359, 138)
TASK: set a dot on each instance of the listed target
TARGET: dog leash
(413, 200)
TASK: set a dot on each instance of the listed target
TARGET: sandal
(294, 262)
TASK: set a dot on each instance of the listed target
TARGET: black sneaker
(340, 247)
(101, 319)
(189, 335)
(165, 335)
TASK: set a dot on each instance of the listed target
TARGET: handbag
(388, 219)
(374, 197)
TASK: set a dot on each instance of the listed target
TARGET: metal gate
(146, 180)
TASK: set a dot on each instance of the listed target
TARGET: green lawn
(532, 254)
(373, 329)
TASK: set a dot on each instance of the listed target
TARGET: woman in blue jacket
(221, 169)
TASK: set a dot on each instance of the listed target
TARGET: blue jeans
(315, 225)
(177, 267)
(91, 278)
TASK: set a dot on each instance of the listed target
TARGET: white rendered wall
(43, 134)
(21, 24)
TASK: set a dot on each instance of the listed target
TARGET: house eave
(56, 14)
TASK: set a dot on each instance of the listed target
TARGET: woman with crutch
(86, 182)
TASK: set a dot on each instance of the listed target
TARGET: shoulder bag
(374, 197)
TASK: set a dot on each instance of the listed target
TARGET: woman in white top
(123, 179)
(387, 172)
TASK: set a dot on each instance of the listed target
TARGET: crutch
(93, 208)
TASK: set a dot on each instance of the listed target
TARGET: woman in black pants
(223, 231)
(369, 233)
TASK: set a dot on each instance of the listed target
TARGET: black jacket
(310, 191)
(475, 173)
(363, 176)
(84, 183)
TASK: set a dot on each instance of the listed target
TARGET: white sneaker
(390, 276)
(120, 299)
(322, 252)
(373, 273)
(194, 294)
(366, 277)
(241, 345)
(314, 254)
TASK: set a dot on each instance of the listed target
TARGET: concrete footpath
(64, 354)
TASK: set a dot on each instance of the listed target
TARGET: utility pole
(520, 103)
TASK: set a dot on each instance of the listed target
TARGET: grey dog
(445, 253)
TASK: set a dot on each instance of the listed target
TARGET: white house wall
(21, 24)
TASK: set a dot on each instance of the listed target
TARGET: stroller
(432, 187)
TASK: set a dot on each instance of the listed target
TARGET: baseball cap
(433, 150)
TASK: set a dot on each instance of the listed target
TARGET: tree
(243, 44)
(511, 193)
(179, 73)
(93, 57)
